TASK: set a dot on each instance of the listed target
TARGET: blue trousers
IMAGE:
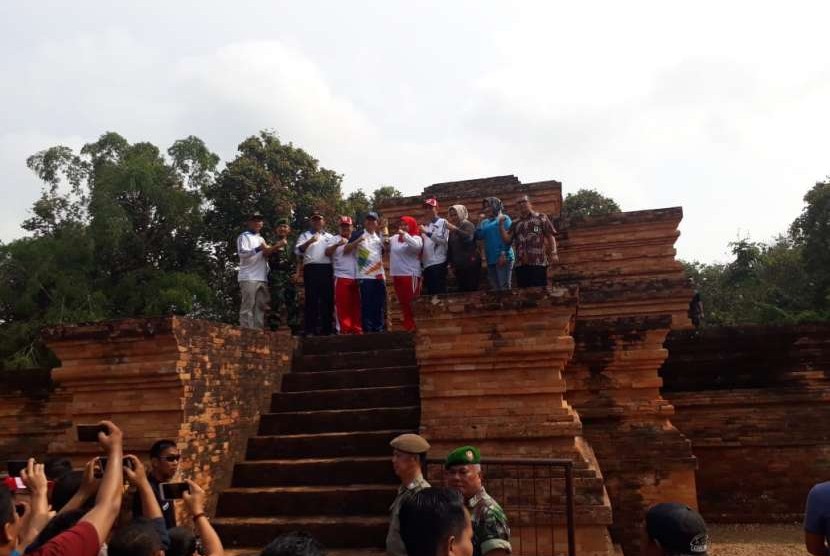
(372, 303)
(500, 276)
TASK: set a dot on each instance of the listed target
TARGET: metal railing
(538, 497)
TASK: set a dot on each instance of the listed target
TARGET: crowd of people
(108, 509)
(344, 274)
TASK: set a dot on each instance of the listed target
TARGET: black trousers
(435, 279)
(319, 298)
(531, 276)
(467, 278)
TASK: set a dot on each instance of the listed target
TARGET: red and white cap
(432, 202)
(346, 220)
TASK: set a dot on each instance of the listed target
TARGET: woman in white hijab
(463, 251)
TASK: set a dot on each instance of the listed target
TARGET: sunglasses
(171, 459)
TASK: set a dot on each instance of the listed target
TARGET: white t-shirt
(405, 257)
(435, 245)
(315, 253)
(345, 264)
(253, 266)
(370, 256)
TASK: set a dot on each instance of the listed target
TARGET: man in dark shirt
(532, 236)
(164, 464)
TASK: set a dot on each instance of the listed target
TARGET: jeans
(372, 303)
(499, 276)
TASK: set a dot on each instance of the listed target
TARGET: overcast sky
(720, 107)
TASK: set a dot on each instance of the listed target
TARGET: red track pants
(407, 288)
(347, 306)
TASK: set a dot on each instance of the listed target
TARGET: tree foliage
(784, 281)
(123, 230)
(587, 202)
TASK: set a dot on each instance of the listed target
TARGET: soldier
(409, 454)
(491, 534)
(285, 309)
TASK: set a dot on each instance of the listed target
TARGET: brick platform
(632, 291)
(491, 375)
(201, 383)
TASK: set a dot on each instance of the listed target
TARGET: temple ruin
(602, 369)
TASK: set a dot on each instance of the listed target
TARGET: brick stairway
(321, 459)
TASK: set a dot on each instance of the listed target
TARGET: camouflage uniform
(490, 529)
(394, 543)
(285, 307)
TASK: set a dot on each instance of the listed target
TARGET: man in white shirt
(253, 254)
(371, 276)
(318, 277)
(346, 289)
(436, 235)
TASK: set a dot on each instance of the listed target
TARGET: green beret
(282, 222)
(410, 443)
(465, 455)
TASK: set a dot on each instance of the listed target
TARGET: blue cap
(373, 215)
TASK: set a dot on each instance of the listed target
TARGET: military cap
(410, 443)
(465, 455)
(282, 222)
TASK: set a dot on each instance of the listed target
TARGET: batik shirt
(490, 529)
(529, 239)
(394, 543)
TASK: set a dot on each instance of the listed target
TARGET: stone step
(306, 500)
(340, 420)
(357, 531)
(351, 398)
(323, 471)
(322, 345)
(360, 378)
(374, 359)
(337, 444)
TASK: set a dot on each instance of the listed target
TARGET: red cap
(346, 220)
(432, 202)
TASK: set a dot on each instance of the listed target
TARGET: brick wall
(632, 291)
(753, 400)
(200, 383)
(491, 375)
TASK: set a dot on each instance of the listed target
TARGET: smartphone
(89, 433)
(173, 491)
(102, 465)
(15, 466)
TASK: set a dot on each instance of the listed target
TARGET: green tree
(587, 202)
(811, 232)
(384, 193)
(275, 179)
(117, 233)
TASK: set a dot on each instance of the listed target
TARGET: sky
(722, 108)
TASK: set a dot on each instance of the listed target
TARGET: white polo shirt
(253, 267)
(435, 244)
(345, 264)
(316, 252)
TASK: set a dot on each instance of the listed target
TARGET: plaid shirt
(529, 239)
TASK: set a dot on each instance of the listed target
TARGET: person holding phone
(164, 465)
(86, 537)
(150, 508)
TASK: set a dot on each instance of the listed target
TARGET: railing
(538, 497)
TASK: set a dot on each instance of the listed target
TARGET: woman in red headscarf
(405, 266)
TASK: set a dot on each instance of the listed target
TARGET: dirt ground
(756, 540)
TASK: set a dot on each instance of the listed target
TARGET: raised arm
(108, 501)
(37, 516)
(195, 501)
(505, 230)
